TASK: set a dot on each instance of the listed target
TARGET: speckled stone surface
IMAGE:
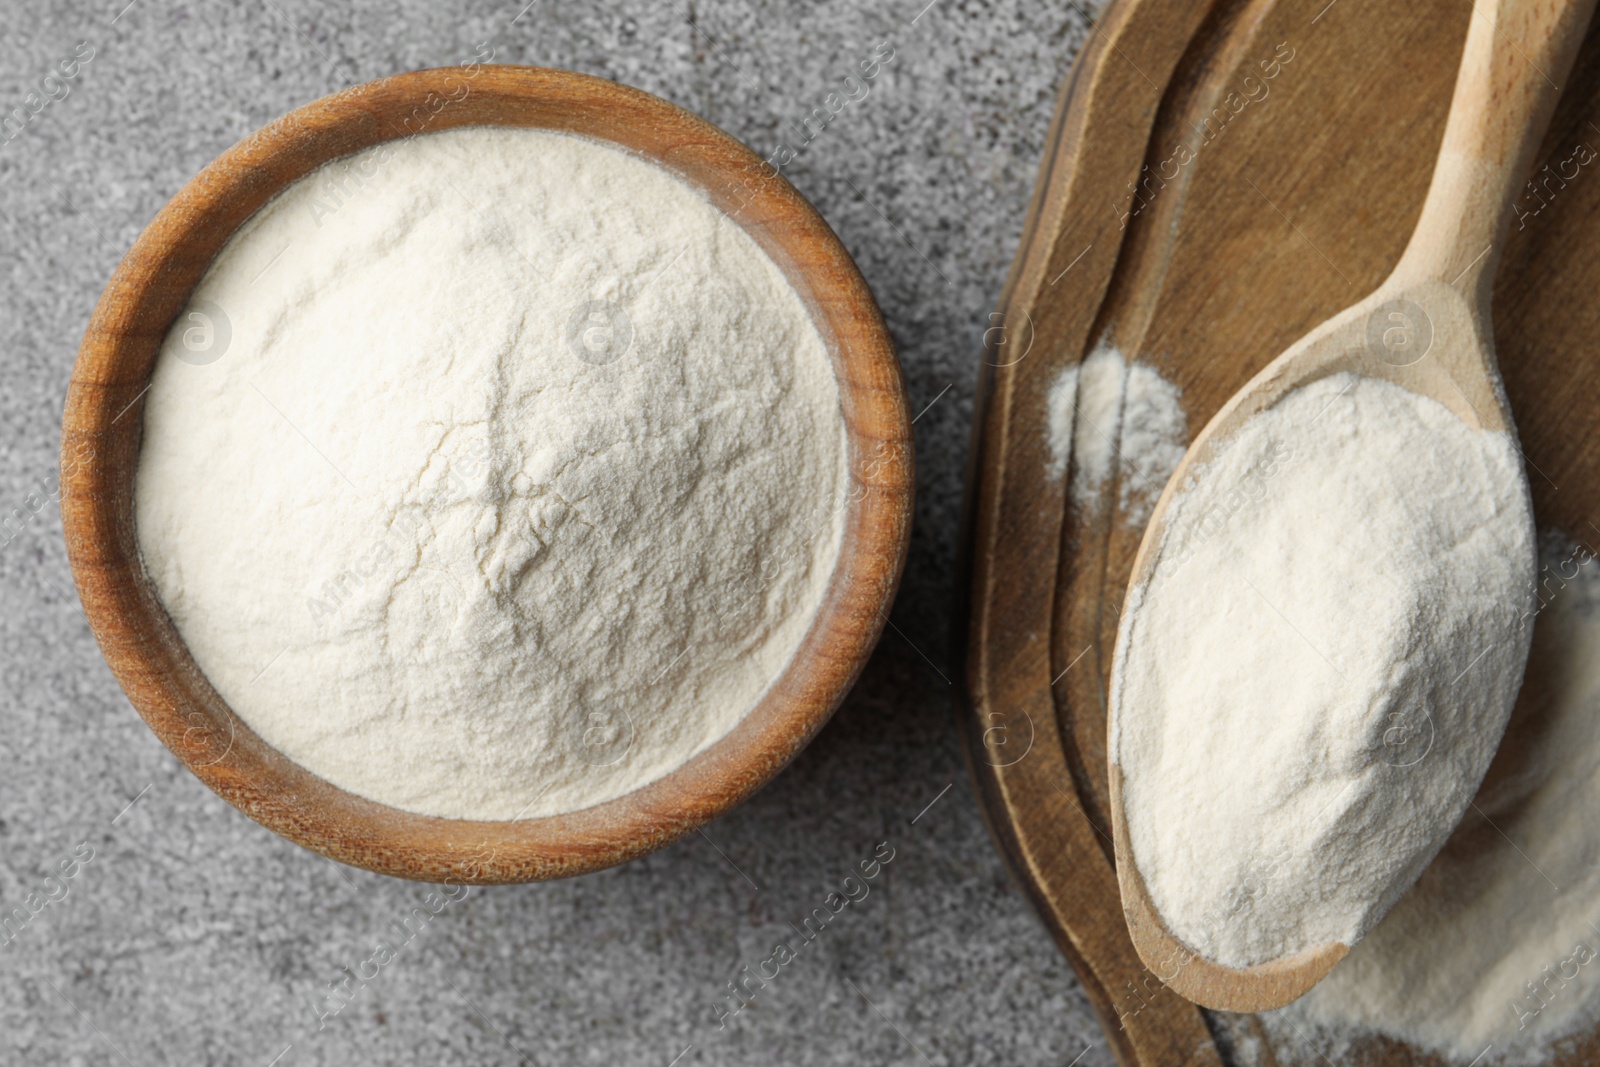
(195, 936)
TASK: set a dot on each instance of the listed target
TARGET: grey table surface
(195, 936)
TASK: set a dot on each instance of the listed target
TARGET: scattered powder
(1308, 689)
(492, 473)
(1097, 425)
(1061, 405)
(1110, 415)
(1499, 942)
(1154, 438)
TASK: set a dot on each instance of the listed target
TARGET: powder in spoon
(492, 473)
(1494, 956)
(1311, 682)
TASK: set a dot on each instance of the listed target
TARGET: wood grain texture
(1293, 208)
(102, 427)
(1016, 754)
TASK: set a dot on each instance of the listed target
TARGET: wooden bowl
(103, 422)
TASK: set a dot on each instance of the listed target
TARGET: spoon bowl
(1428, 329)
(102, 426)
(1350, 342)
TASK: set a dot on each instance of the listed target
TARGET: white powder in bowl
(492, 473)
(1308, 688)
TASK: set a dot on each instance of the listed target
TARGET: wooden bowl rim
(152, 664)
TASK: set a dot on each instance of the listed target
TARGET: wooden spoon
(1435, 304)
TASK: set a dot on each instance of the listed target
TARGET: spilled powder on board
(1109, 415)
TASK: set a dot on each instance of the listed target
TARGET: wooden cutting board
(1264, 207)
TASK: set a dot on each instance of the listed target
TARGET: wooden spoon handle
(1516, 61)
